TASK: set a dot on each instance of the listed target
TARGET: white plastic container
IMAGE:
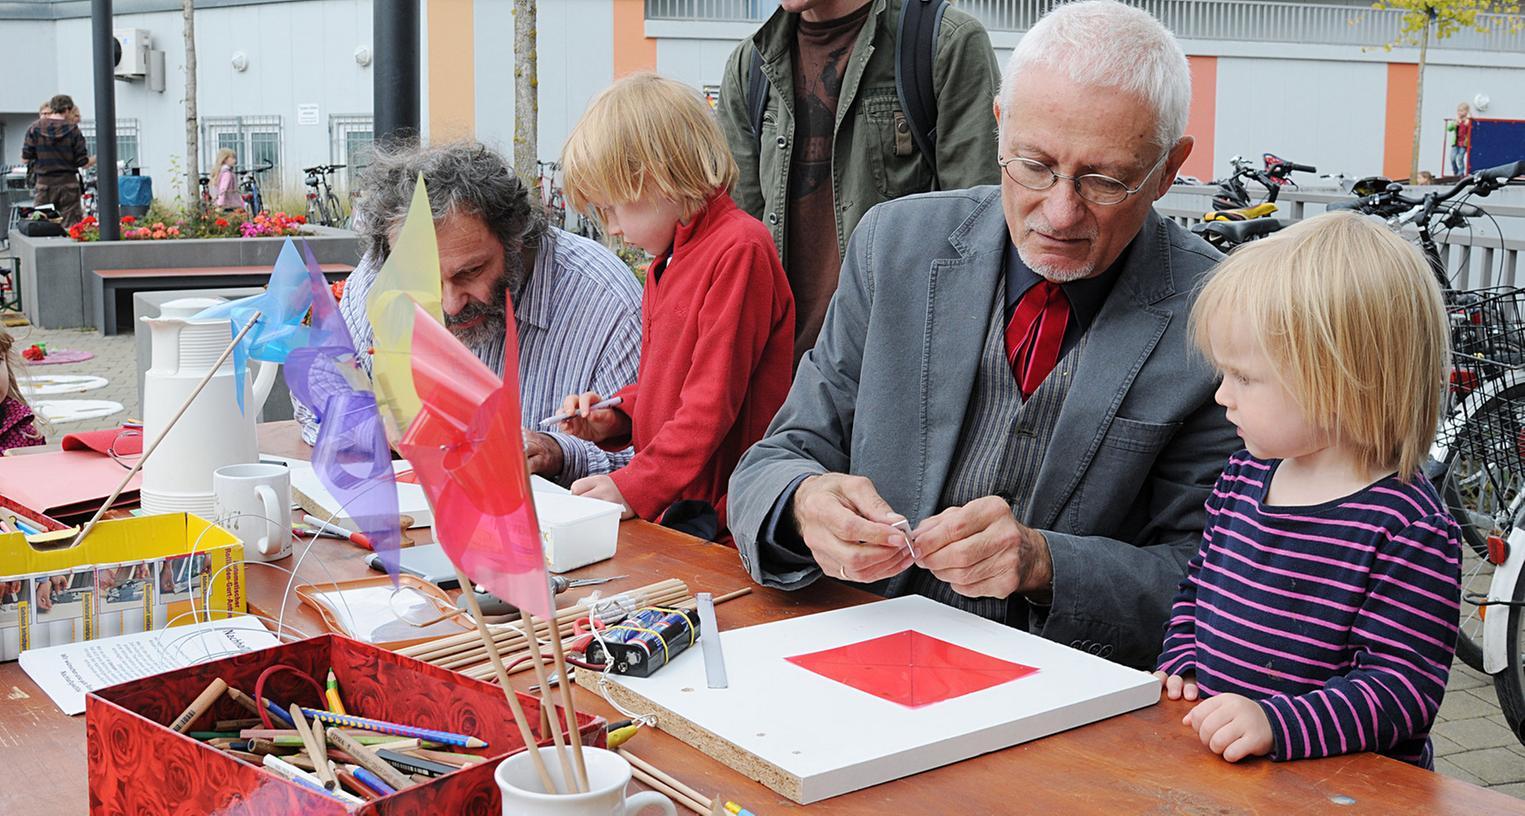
(575, 530)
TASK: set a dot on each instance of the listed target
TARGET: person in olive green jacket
(834, 139)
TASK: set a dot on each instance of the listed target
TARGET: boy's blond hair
(646, 133)
(1354, 325)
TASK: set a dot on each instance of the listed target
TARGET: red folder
(64, 483)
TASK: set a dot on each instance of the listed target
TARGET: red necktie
(1035, 333)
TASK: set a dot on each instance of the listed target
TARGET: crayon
(287, 771)
(199, 706)
(330, 718)
(331, 692)
(407, 763)
(368, 759)
(372, 781)
(348, 780)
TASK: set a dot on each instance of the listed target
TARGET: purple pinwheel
(351, 456)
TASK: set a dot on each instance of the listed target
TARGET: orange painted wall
(1204, 111)
(1398, 139)
(452, 70)
(633, 50)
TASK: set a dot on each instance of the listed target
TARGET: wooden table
(1142, 762)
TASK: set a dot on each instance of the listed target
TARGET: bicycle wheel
(1484, 481)
(333, 214)
(1509, 684)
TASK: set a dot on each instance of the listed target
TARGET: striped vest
(1000, 448)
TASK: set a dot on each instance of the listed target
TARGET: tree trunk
(526, 85)
(1424, 53)
(192, 131)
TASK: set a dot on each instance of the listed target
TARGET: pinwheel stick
(576, 776)
(568, 708)
(508, 690)
(154, 445)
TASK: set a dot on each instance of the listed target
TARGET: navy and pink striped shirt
(1339, 618)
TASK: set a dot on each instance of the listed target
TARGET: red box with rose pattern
(139, 767)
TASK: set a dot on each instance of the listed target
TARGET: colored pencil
(372, 781)
(397, 729)
(331, 693)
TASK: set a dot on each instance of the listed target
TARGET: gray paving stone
(1463, 677)
(1465, 705)
(1451, 769)
(1477, 733)
(1494, 766)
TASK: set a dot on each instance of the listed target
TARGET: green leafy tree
(1424, 20)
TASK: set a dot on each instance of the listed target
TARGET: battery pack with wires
(646, 641)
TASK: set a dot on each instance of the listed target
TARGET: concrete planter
(57, 273)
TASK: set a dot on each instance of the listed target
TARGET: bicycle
(322, 205)
(1233, 219)
(552, 199)
(249, 187)
(1478, 458)
(88, 205)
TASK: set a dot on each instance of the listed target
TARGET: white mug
(608, 776)
(254, 503)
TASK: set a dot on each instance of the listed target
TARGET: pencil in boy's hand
(552, 421)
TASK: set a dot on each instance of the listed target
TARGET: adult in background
(1009, 369)
(835, 138)
(577, 306)
(54, 150)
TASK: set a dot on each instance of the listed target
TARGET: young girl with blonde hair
(648, 161)
(225, 182)
(1319, 615)
(17, 426)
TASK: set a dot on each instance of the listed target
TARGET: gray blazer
(1136, 449)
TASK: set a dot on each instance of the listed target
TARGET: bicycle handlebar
(1503, 172)
(323, 168)
(1301, 168)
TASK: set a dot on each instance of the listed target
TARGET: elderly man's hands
(543, 453)
(981, 551)
(848, 528)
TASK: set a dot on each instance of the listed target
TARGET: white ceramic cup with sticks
(608, 776)
(254, 503)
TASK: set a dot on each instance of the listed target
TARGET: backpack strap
(757, 93)
(915, 57)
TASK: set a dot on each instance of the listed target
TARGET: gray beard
(1054, 274)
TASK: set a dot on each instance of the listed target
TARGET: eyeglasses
(1093, 187)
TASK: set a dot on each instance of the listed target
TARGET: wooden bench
(112, 285)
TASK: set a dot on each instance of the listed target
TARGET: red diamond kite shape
(911, 669)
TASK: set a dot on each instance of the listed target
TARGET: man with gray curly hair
(1002, 412)
(576, 304)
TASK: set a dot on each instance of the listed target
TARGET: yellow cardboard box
(130, 575)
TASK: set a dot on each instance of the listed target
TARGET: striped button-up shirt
(579, 318)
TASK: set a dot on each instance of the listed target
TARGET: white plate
(40, 385)
(58, 411)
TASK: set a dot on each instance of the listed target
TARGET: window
(254, 140)
(126, 140)
(350, 139)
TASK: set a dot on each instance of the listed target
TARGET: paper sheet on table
(66, 673)
(376, 614)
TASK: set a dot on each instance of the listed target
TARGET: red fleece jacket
(717, 339)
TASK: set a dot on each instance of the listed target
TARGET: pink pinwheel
(468, 451)
(350, 455)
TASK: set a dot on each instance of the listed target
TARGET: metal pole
(105, 119)
(396, 89)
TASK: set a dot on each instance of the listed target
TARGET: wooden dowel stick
(696, 805)
(569, 709)
(574, 781)
(149, 451)
(508, 691)
(733, 595)
(671, 781)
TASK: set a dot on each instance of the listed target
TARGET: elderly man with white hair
(1004, 372)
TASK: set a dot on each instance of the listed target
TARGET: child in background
(1319, 615)
(1459, 134)
(227, 196)
(17, 428)
(649, 161)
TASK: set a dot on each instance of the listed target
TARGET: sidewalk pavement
(1472, 740)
